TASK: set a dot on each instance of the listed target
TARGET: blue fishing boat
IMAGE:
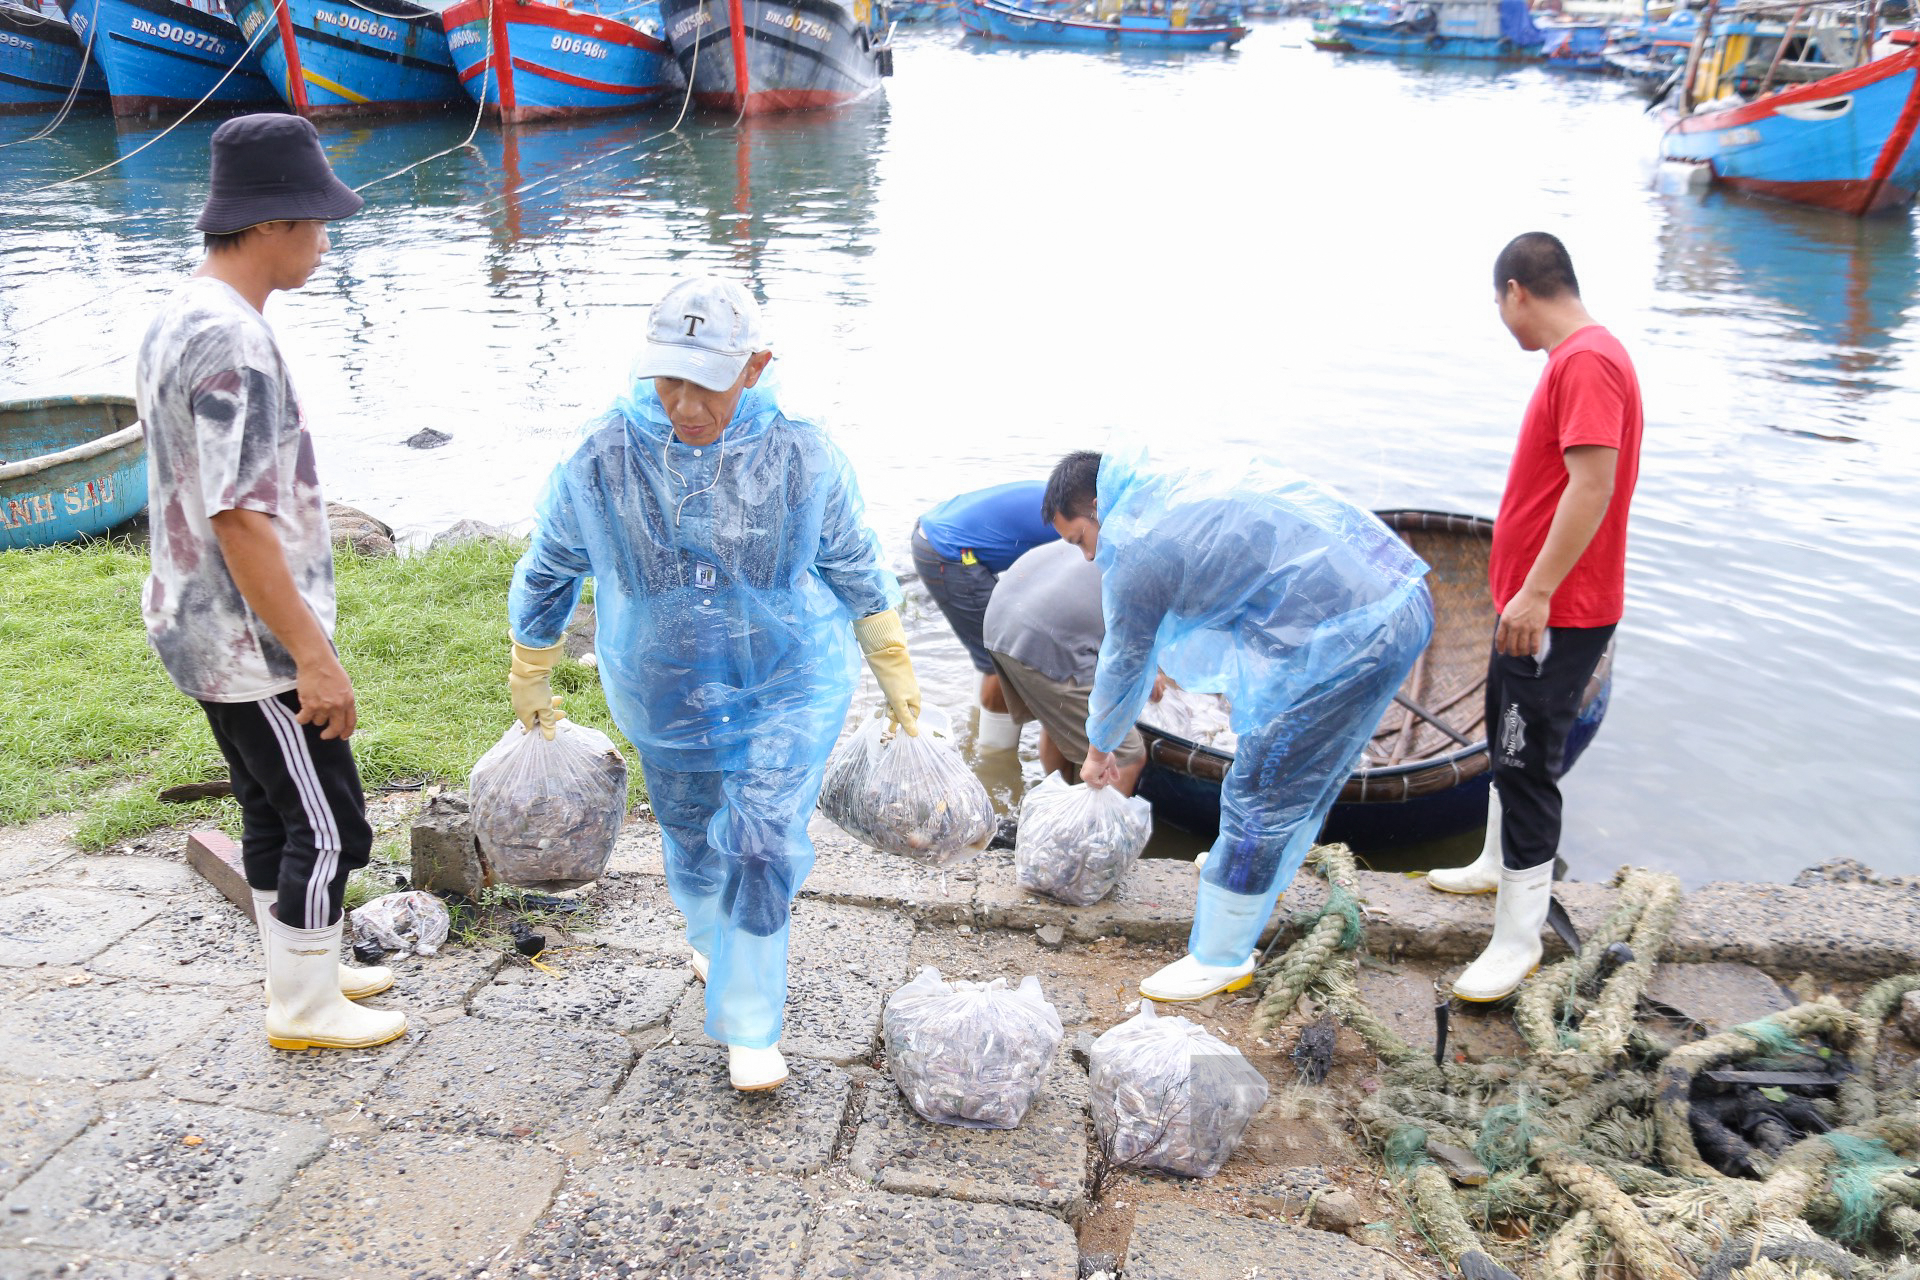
(1574, 46)
(759, 57)
(71, 467)
(1844, 141)
(529, 60)
(1486, 30)
(1426, 771)
(40, 58)
(164, 56)
(1155, 24)
(352, 57)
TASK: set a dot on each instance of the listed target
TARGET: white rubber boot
(356, 983)
(997, 732)
(756, 1070)
(305, 1009)
(698, 963)
(1519, 913)
(1482, 875)
(1188, 979)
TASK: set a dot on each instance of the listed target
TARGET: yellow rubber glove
(530, 685)
(885, 645)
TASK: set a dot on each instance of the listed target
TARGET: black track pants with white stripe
(304, 820)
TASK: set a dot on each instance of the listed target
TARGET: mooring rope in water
(73, 93)
(479, 112)
(227, 75)
(1590, 1134)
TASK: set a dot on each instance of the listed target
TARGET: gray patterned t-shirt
(224, 433)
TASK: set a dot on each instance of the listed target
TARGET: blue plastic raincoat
(726, 580)
(1305, 610)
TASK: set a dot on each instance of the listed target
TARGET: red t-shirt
(1587, 395)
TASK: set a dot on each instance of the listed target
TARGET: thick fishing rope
(73, 93)
(479, 110)
(227, 75)
(1577, 1136)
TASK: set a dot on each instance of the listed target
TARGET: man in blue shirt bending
(960, 549)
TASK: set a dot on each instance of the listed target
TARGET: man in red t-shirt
(1558, 575)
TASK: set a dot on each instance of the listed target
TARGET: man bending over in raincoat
(1302, 608)
(734, 572)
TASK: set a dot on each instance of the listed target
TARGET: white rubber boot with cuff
(305, 1009)
(755, 1070)
(1482, 875)
(1519, 913)
(356, 983)
(1188, 979)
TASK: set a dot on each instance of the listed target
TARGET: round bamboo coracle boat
(1425, 773)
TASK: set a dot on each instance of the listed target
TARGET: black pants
(304, 820)
(1531, 707)
(962, 592)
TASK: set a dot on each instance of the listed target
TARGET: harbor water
(1018, 252)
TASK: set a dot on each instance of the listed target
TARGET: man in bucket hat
(240, 603)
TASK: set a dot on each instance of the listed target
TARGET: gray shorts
(1061, 709)
(962, 592)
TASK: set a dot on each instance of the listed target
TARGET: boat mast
(1766, 81)
(1694, 55)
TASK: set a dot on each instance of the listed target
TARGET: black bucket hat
(269, 168)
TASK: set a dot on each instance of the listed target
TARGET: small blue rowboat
(164, 56)
(1175, 25)
(352, 57)
(40, 58)
(529, 60)
(71, 467)
(1426, 772)
(1845, 143)
(1483, 30)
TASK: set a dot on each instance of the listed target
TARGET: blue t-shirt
(998, 525)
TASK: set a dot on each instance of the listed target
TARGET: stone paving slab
(849, 872)
(1718, 996)
(37, 1122)
(155, 1180)
(1855, 931)
(128, 874)
(102, 1031)
(601, 987)
(879, 1236)
(635, 912)
(398, 1206)
(844, 963)
(428, 984)
(1042, 1164)
(678, 1108)
(1172, 1241)
(233, 1063)
(194, 945)
(45, 1264)
(1153, 903)
(519, 1079)
(685, 1223)
(65, 926)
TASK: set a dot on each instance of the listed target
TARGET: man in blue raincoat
(1302, 608)
(734, 573)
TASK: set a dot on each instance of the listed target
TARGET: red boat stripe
(1831, 87)
(582, 24)
(1894, 147)
(580, 82)
(473, 71)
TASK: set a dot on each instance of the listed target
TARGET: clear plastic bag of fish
(973, 1054)
(1077, 842)
(546, 812)
(906, 794)
(1169, 1096)
(415, 922)
(1202, 718)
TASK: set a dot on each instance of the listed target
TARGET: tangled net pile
(1589, 1137)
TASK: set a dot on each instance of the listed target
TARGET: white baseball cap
(703, 329)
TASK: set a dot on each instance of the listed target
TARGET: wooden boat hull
(40, 57)
(352, 57)
(1845, 143)
(163, 57)
(1419, 784)
(758, 57)
(71, 467)
(526, 60)
(1018, 25)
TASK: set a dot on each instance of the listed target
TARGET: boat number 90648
(574, 44)
(179, 35)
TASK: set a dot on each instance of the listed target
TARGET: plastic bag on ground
(414, 921)
(908, 795)
(1167, 1095)
(971, 1054)
(1076, 843)
(546, 812)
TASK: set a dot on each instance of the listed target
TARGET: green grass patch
(93, 725)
